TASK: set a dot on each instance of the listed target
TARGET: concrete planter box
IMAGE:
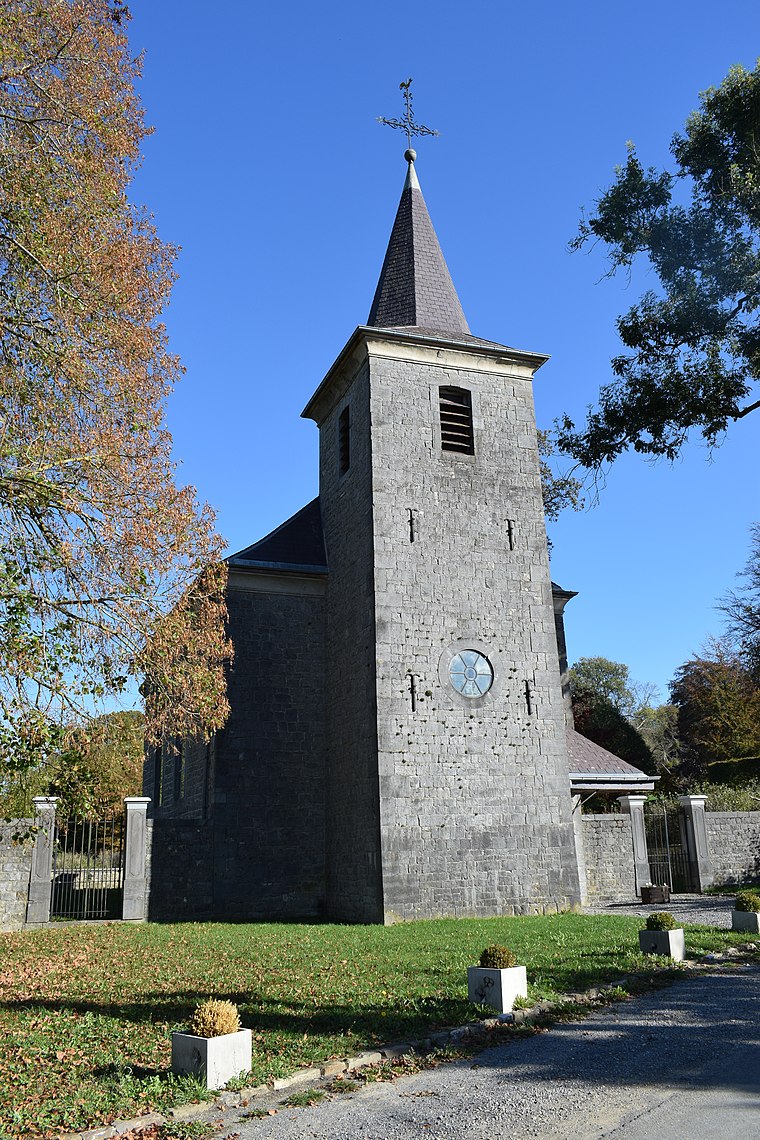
(213, 1059)
(745, 920)
(497, 988)
(669, 943)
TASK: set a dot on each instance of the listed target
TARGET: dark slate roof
(592, 759)
(298, 544)
(437, 334)
(415, 290)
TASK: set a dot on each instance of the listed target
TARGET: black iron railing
(88, 868)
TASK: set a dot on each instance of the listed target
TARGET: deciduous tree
(742, 608)
(694, 358)
(108, 568)
(560, 490)
(718, 704)
(604, 698)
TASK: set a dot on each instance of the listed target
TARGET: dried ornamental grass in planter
(746, 913)
(497, 981)
(216, 1049)
(214, 1019)
(663, 936)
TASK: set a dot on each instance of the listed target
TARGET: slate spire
(415, 288)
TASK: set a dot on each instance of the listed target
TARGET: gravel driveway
(681, 1062)
(707, 910)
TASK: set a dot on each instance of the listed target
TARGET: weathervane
(407, 123)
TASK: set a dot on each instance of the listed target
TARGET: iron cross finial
(407, 123)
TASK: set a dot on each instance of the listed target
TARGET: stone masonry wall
(269, 767)
(353, 862)
(608, 852)
(179, 869)
(733, 844)
(179, 788)
(15, 866)
(474, 793)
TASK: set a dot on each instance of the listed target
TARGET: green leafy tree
(560, 490)
(694, 345)
(604, 699)
(658, 727)
(718, 704)
(102, 764)
(611, 681)
(742, 608)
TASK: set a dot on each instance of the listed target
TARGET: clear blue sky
(267, 167)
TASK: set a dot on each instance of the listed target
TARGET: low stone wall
(608, 853)
(15, 866)
(180, 870)
(733, 844)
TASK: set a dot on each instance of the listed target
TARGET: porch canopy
(594, 769)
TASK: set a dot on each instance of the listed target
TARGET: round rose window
(471, 673)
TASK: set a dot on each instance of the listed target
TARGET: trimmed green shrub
(661, 920)
(747, 900)
(497, 958)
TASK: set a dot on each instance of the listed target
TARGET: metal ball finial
(410, 155)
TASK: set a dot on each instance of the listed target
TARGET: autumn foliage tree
(108, 569)
(718, 702)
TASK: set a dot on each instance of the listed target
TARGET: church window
(456, 420)
(471, 673)
(344, 441)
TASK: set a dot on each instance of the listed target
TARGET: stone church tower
(447, 772)
(415, 762)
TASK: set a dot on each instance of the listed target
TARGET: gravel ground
(681, 1062)
(705, 910)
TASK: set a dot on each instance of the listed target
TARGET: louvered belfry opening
(456, 421)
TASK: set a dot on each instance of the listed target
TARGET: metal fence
(668, 849)
(88, 868)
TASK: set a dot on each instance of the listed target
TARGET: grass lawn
(86, 1011)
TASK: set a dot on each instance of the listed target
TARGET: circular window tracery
(471, 673)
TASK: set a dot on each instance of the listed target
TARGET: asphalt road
(682, 1063)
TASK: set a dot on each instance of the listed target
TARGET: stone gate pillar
(135, 903)
(579, 848)
(41, 877)
(634, 807)
(700, 863)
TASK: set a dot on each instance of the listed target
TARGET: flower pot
(213, 1059)
(497, 988)
(745, 920)
(652, 894)
(669, 943)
